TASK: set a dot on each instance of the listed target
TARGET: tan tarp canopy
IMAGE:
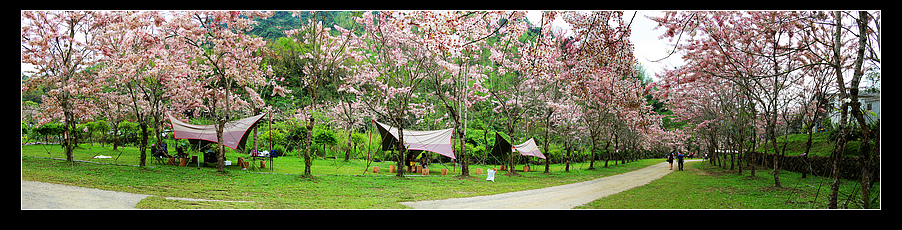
(233, 134)
(437, 141)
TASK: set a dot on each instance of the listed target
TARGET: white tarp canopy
(437, 141)
(529, 148)
(234, 132)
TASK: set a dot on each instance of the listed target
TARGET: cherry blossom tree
(766, 52)
(689, 103)
(566, 117)
(510, 80)
(456, 39)
(758, 51)
(813, 99)
(547, 93)
(867, 51)
(349, 115)
(60, 45)
(223, 60)
(114, 111)
(392, 65)
(138, 66)
(600, 66)
(848, 42)
(325, 58)
(503, 82)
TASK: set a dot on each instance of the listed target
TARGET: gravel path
(558, 197)
(40, 195)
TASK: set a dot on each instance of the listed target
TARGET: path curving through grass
(557, 197)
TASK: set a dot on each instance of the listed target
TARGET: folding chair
(158, 159)
(156, 155)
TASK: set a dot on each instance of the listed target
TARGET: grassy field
(352, 185)
(820, 145)
(705, 186)
(336, 184)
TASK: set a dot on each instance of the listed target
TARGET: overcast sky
(648, 47)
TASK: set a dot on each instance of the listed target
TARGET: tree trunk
(547, 154)
(510, 162)
(607, 144)
(68, 127)
(220, 151)
(773, 139)
(402, 152)
(116, 136)
(754, 138)
(864, 148)
(308, 162)
(733, 160)
(143, 146)
(69, 141)
(712, 147)
(547, 157)
(592, 157)
(837, 158)
(256, 112)
(348, 151)
(807, 149)
(869, 174)
(485, 151)
(569, 151)
(840, 82)
(464, 162)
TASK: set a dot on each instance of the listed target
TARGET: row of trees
(141, 65)
(747, 74)
(397, 67)
(750, 74)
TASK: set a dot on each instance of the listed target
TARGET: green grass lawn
(820, 145)
(336, 184)
(352, 185)
(705, 186)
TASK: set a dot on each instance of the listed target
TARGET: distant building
(870, 104)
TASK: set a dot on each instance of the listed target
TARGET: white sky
(648, 47)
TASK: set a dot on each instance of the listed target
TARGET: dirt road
(557, 197)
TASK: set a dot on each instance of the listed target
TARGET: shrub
(49, 130)
(129, 132)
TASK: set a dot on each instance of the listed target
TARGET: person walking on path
(670, 160)
(680, 160)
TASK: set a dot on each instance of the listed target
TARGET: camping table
(254, 159)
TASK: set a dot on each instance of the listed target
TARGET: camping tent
(437, 141)
(234, 133)
(527, 148)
